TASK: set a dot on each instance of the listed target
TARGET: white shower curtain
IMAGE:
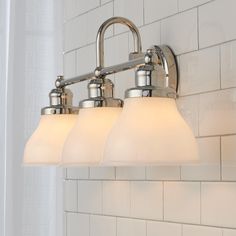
(30, 59)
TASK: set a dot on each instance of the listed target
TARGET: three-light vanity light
(146, 129)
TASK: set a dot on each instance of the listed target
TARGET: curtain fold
(30, 59)
(4, 23)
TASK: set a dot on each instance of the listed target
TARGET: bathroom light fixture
(86, 141)
(148, 131)
(45, 145)
(98, 113)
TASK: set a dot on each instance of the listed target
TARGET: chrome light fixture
(45, 145)
(148, 131)
(98, 113)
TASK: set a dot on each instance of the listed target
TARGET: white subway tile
(228, 61)
(182, 202)
(180, 39)
(70, 10)
(70, 195)
(228, 149)
(229, 232)
(86, 5)
(90, 196)
(73, 38)
(74, 8)
(163, 229)
(158, 9)
(163, 172)
(102, 226)
(131, 227)
(218, 206)
(80, 92)
(77, 173)
(86, 59)
(217, 112)
(95, 18)
(189, 109)
(131, 9)
(194, 230)
(215, 22)
(209, 165)
(150, 35)
(116, 50)
(187, 4)
(102, 173)
(64, 222)
(82, 30)
(207, 114)
(200, 71)
(77, 224)
(124, 81)
(130, 173)
(69, 64)
(105, 1)
(146, 200)
(64, 173)
(116, 198)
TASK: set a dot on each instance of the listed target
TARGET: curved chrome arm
(101, 33)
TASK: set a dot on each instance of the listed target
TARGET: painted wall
(166, 201)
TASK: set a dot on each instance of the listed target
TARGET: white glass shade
(150, 131)
(45, 145)
(85, 143)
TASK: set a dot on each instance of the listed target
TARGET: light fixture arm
(101, 33)
(156, 69)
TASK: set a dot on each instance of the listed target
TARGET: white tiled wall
(194, 200)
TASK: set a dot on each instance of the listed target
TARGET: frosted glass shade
(45, 145)
(150, 131)
(85, 143)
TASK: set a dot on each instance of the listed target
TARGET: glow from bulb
(150, 131)
(45, 145)
(85, 143)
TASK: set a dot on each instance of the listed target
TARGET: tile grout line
(163, 200)
(113, 14)
(143, 12)
(77, 195)
(158, 180)
(221, 177)
(200, 203)
(65, 21)
(102, 182)
(130, 199)
(166, 17)
(116, 226)
(153, 220)
(198, 115)
(66, 221)
(220, 60)
(76, 63)
(206, 92)
(180, 173)
(146, 225)
(124, 32)
(89, 224)
(198, 31)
